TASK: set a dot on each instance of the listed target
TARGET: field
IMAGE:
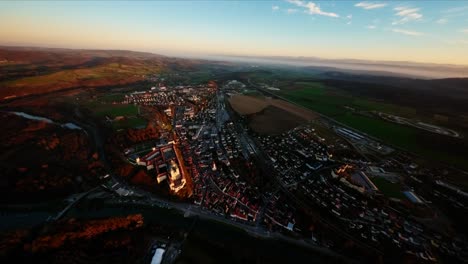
(387, 188)
(246, 105)
(135, 122)
(123, 116)
(102, 109)
(270, 116)
(331, 102)
(273, 121)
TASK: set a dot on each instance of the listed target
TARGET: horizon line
(201, 55)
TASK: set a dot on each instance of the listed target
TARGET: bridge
(73, 203)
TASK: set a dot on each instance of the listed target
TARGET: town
(211, 157)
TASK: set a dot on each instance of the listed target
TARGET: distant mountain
(382, 68)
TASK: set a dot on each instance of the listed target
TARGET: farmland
(349, 110)
(132, 122)
(273, 121)
(246, 105)
(270, 116)
(121, 116)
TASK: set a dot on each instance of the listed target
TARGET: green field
(395, 134)
(331, 102)
(129, 123)
(313, 95)
(387, 188)
(112, 110)
(103, 108)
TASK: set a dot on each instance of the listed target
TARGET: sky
(420, 31)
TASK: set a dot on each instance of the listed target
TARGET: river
(47, 120)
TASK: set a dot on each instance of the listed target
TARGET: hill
(447, 95)
(27, 71)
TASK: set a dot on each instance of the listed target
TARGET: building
(413, 197)
(158, 256)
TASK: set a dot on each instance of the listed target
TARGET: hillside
(27, 71)
(446, 95)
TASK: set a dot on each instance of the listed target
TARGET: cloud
(407, 32)
(291, 10)
(455, 9)
(465, 30)
(441, 21)
(349, 19)
(370, 5)
(311, 8)
(371, 27)
(274, 8)
(296, 2)
(455, 12)
(407, 14)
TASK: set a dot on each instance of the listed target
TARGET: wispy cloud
(291, 10)
(311, 8)
(371, 27)
(456, 9)
(370, 5)
(349, 19)
(274, 8)
(408, 32)
(453, 12)
(442, 21)
(407, 14)
(465, 30)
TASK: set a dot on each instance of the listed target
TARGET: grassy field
(102, 107)
(389, 132)
(135, 122)
(330, 102)
(387, 188)
(113, 111)
(314, 96)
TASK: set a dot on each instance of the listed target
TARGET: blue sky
(426, 31)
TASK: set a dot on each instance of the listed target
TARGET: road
(255, 230)
(74, 202)
(265, 162)
(189, 210)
